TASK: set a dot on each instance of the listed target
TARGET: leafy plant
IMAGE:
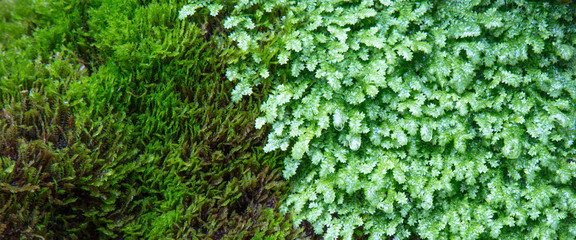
(446, 119)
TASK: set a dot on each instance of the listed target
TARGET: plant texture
(116, 123)
(445, 119)
(201, 169)
(58, 177)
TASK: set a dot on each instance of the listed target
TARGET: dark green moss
(58, 179)
(117, 123)
(204, 173)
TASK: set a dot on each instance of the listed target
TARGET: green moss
(141, 136)
(445, 119)
(59, 179)
(204, 174)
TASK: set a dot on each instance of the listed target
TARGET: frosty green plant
(446, 119)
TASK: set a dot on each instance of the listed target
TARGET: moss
(57, 180)
(442, 119)
(119, 124)
(204, 174)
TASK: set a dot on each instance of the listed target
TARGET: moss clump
(118, 124)
(442, 119)
(58, 179)
(203, 172)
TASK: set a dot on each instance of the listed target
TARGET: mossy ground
(116, 123)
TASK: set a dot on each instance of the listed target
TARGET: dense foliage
(58, 175)
(116, 123)
(58, 166)
(446, 119)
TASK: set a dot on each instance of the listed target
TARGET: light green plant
(446, 119)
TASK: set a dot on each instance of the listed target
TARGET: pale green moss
(446, 119)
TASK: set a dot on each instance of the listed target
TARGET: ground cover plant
(56, 165)
(445, 119)
(116, 123)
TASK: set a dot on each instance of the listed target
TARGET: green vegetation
(116, 122)
(443, 119)
(176, 119)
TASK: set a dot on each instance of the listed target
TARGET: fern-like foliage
(447, 119)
